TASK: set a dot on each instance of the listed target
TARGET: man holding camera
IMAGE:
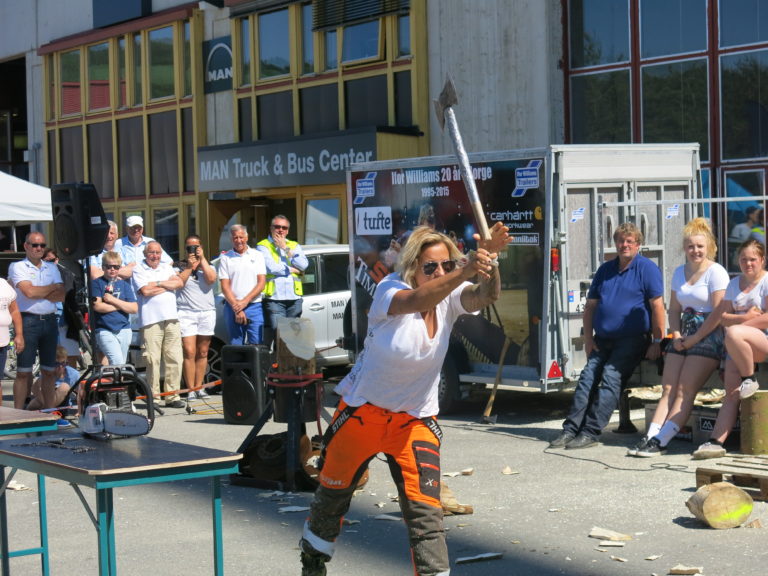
(197, 314)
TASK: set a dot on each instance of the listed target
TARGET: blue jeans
(41, 333)
(114, 346)
(3, 358)
(599, 387)
(250, 333)
(274, 309)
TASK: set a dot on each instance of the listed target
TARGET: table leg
(4, 527)
(42, 511)
(218, 544)
(105, 513)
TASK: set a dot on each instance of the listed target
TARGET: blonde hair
(628, 229)
(61, 354)
(421, 238)
(701, 227)
(112, 257)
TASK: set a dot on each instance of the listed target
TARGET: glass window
(191, 219)
(166, 230)
(672, 27)
(319, 108)
(72, 166)
(323, 222)
(187, 61)
(275, 114)
(335, 272)
(122, 96)
(100, 165)
(743, 22)
(742, 216)
(601, 108)
(138, 97)
(130, 154)
(245, 120)
(403, 35)
(366, 100)
(403, 102)
(675, 103)
(6, 145)
(360, 42)
(98, 76)
(599, 32)
(309, 277)
(163, 154)
(245, 51)
(161, 63)
(70, 82)
(744, 101)
(52, 158)
(51, 70)
(274, 49)
(331, 50)
(307, 46)
(188, 149)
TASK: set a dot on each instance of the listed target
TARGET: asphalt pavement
(533, 506)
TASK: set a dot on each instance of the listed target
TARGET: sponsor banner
(217, 61)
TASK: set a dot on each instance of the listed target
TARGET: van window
(309, 278)
(335, 272)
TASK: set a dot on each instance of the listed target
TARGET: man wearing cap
(242, 274)
(285, 261)
(131, 246)
(38, 287)
(155, 284)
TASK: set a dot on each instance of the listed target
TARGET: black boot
(312, 561)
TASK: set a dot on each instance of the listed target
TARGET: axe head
(446, 99)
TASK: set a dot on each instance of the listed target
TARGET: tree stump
(721, 505)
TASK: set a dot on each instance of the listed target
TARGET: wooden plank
(742, 476)
(11, 416)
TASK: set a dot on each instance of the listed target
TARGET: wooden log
(720, 505)
(754, 423)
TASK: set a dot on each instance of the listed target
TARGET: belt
(39, 316)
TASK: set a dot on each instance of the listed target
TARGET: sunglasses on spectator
(37, 245)
(111, 266)
(430, 268)
(279, 227)
(61, 363)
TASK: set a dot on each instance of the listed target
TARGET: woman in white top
(744, 300)
(9, 314)
(698, 287)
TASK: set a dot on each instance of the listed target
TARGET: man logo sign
(218, 64)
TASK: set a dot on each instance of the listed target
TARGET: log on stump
(721, 505)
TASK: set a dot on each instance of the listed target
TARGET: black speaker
(79, 225)
(243, 374)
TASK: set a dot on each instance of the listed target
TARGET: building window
(130, 153)
(675, 103)
(160, 63)
(164, 154)
(403, 101)
(331, 50)
(188, 149)
(191, 219)
(404, 35)
(599, 32)
(319, 108)
(670, 27)
(98, 76)
(601, 108)
(100, 165)
(245, 120)
(361, 42)
(70, 82)
(245, 51)
(122, 88)
(274, 48)
(166, 230)
(52, 158)
(138, 97)
(187, 61)
(307, 38)
(744, 22)
(72, 167)
(275, 113)
(51, 71)
(323, 221)
(366, 100)
(744, 104)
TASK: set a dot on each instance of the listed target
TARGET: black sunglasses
(278, 227)
(430, 268)
(111, 266)
(35, 245)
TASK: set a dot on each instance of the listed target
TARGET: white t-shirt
(399, 367)
(7, 295)
(744, 301)
(156, 308)
(47, 274)
(242, 271)
(697, 296)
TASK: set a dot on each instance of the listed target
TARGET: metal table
(105, 465)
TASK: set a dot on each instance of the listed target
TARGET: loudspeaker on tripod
(243, 374)
(79, 223)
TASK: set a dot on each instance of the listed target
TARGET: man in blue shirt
(625, 306)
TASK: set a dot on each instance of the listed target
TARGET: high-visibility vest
(269, 287)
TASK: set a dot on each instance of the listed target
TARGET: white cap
(132, 221)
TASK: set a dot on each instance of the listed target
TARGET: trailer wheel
(449, 394)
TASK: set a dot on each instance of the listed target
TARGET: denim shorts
(711, 346)
(41, 334)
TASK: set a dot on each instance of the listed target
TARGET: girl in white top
(698, 288)
(745, 300)
(9, 314)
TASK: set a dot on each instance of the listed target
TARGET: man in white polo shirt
(38, 287)
(155, 284)
(242, 273)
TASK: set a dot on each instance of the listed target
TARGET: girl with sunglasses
(113, 302)
(390, 398)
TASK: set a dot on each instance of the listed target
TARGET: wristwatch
(157, 283)
(656, 340)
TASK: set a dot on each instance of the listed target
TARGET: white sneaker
(202, 393)
(748, 388)
(193, 396)
(709, 450)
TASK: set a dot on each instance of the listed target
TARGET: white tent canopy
(23, 202)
